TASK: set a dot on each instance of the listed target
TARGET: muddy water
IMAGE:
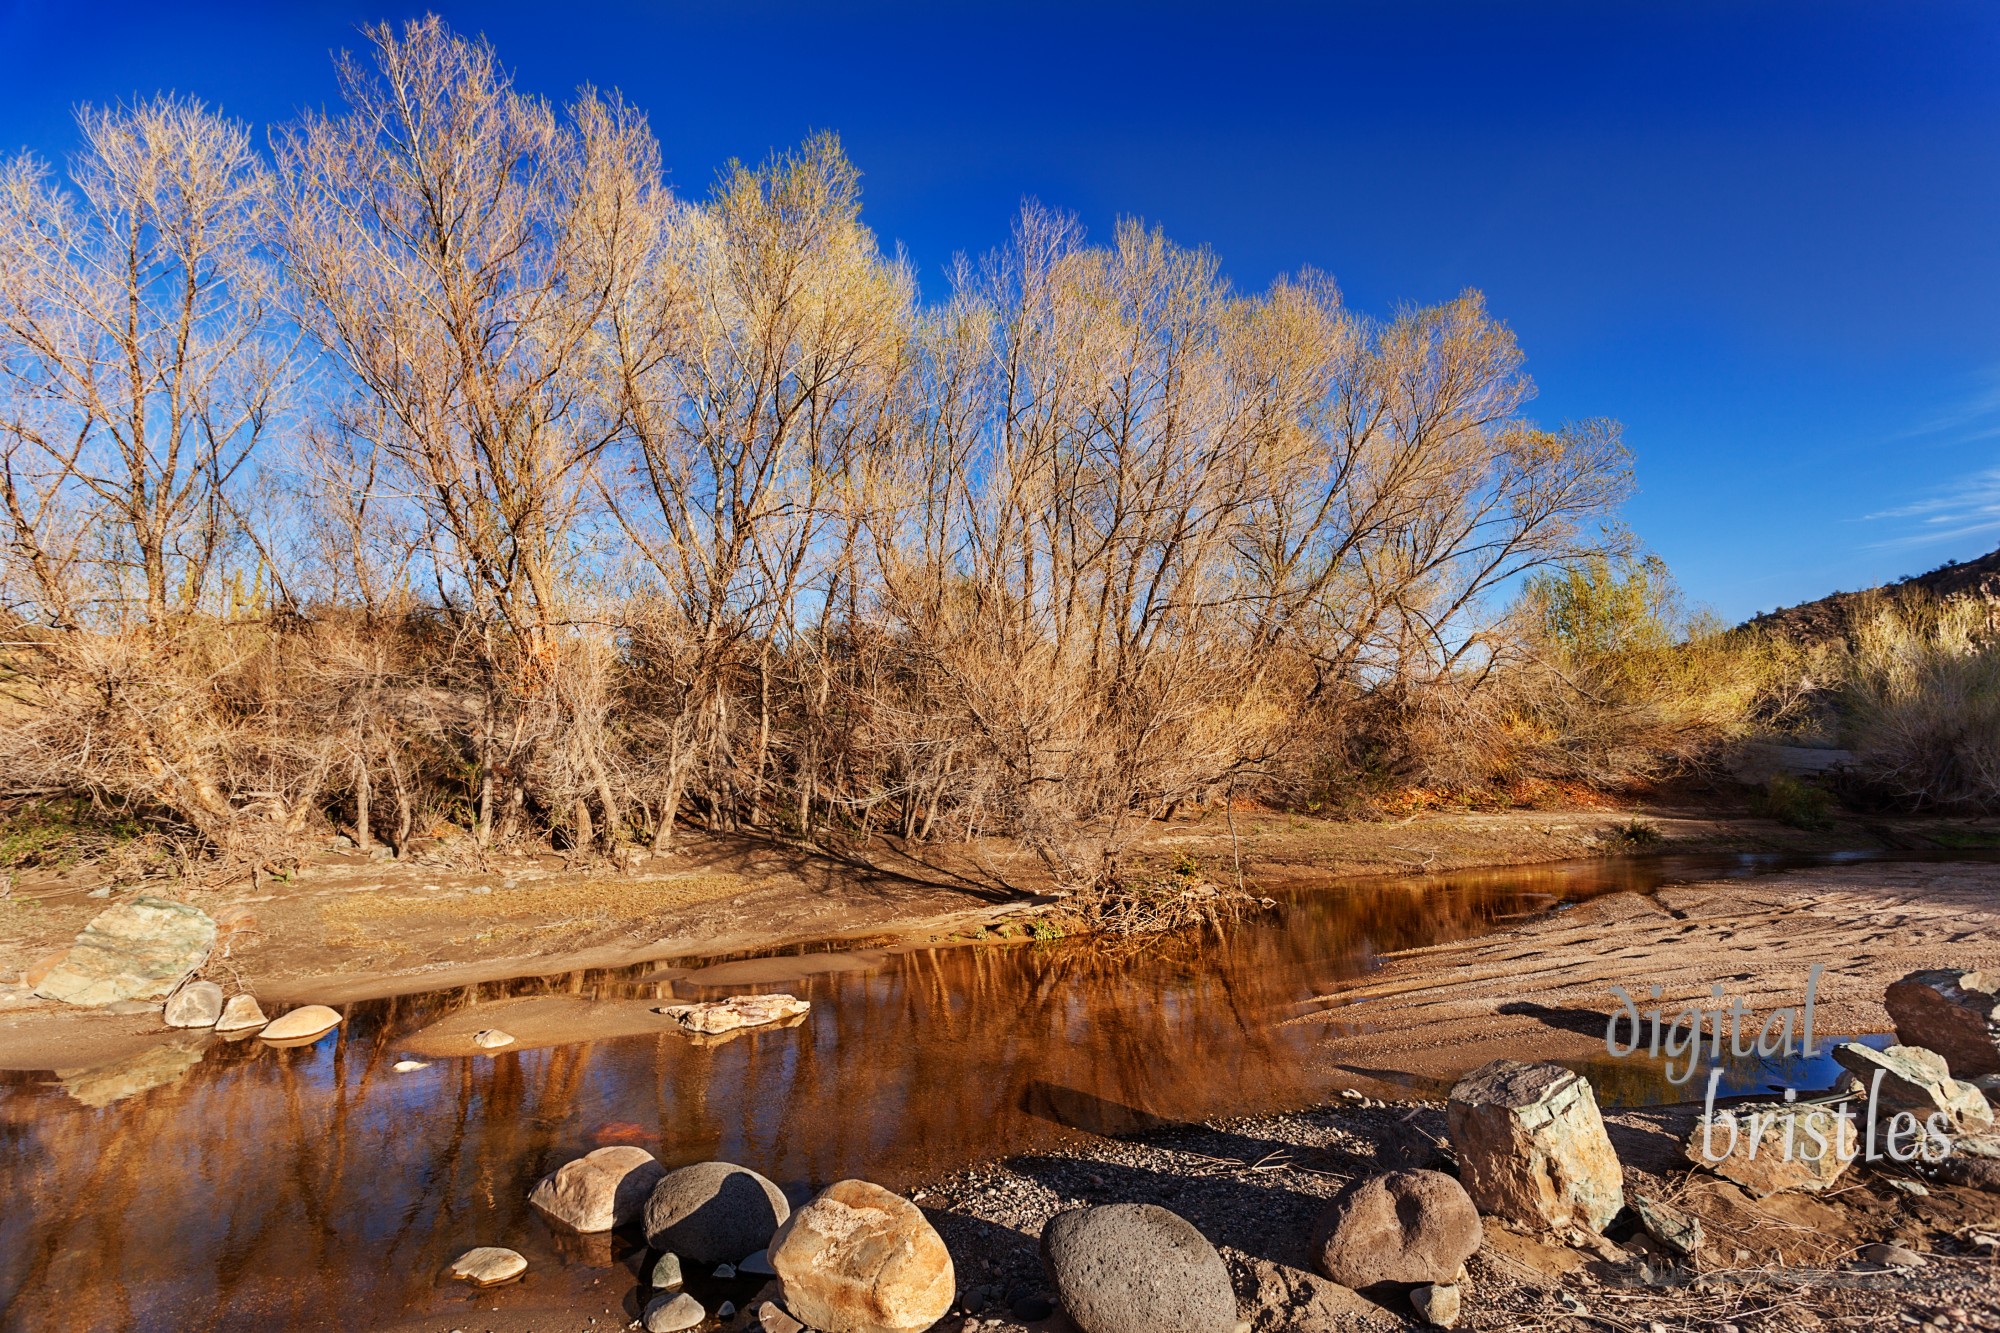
(211, 1184)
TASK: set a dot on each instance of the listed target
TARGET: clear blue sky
(1765, 236)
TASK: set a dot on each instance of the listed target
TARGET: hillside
(1831, 617)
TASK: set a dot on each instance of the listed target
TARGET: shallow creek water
(215, 1184)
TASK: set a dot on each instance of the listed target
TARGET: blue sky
(1765, 236)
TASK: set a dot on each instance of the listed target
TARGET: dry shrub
(1921, 688)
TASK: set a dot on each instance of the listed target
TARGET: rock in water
(714, 1212)
(1950, 1012)
(1436, 1304)
(1676, 1230)
(195, 1005)
(740, 1011)
(492, 1039)
(671, 1314)
(1910, 1078)
(1773, 1146)
(488, 1266)
(1532, 1148)
(858, 1259)
(666, 1274)
(311, 1020)
(1137, 1268)
(600, 1190)
(1405, 1226)
(138, 950)
(241, 1012)
(758, 1265)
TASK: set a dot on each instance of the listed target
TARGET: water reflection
(229, 1185)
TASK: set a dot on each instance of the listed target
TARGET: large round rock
(859, 1259)
(714, 1212)
(1405, 1226)
(1137, 1268)
(600, 1190)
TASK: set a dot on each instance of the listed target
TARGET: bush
(1799, 804)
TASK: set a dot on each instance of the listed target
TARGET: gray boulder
(1532, 1148)
(714, 1212)
(859, 1259)
(600, 1190)
(1951, 1012)
(195, 1005)
(138, 950)
(1137, 1268)
(1916, 1080)
(1404, 1226)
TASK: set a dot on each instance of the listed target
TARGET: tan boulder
(1403, 1227)
(600, 1190)
(195, 1005)
(1773, 1147)
(740, 1011)
(488, 1266)
(1532, 1148)
(311, 1020)
(858, 1259)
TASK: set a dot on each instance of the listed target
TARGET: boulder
(740, 1011)
(488, 1266)
(1771, 1147)
(714, 1212)
(1404, 1226)
(1436, 1304)
(1532, 1148)
(1951, 1012)
(1137, 1268)
(241, 1012)
(600, 1190)
(138, 950)
(195, 1005)
(1279, 1298)
(1910, 1078)
(307, 1021)
(858, 1259)
(671, 1314)
(1674, 1229)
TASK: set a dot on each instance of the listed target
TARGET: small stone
(240, 1013)
(491, 1038)
(725, 1310)
(488, 1266)
(195, 1005)
(758, 1265)
(714, 1212)
(1889, 1256)
(768, 1318)
(1436, 1304)
(312, 1020)
(1137, 1268)
(600, 1190)
(409, 1066)
(666, 1275)
(671, 1314)
(859, 1259)
(741, 1011)
(1403, 1226)
(726, 1270)
(1532, 1147)
(1677, 1230)
(1913, 1188)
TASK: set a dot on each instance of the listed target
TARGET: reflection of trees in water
(316, 1185)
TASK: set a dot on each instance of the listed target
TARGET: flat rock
(311, 1020)
(1403, 1226)
(1282, 1299)
(671, 1314)
(1748, 1144)
(714, 1212)
(600, 1190)
(1137, 1268)
(757, 1265)
(195, 1005)
(1916, 1080)
(488, 1266)
(1531, 1146)
(1949, 1011)
(241, 1012)
(859, 1259)
(138, 950)
(741, 1011)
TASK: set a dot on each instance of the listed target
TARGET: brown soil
(1431, 1015)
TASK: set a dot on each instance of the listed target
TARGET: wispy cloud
(1967, 508)
(1973, 418)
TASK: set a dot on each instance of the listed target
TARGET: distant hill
(1831, 617)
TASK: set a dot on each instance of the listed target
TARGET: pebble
(726, 1270)
(1890, 1256)
(489, 1038)
(409, 1066)
(667, 1272)
(671, 1314)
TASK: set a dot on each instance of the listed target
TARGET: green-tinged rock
(138, 950)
